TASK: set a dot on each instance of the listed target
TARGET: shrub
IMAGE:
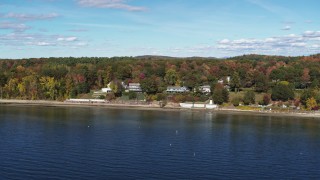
(132, 95)
(110, 96)
(236, 101)
(282, 92)
(265, 100)
(161, 96)
(249, 98)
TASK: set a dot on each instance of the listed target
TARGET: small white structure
(205, 89)
(225, 80)
(106, 90)
(134, 87)
(220, 81)
(199, 106)
(177, 89)
(102, 92)
(85, 101)
(211, 105)
(228, 78)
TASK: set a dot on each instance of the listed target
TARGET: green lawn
(259, 96)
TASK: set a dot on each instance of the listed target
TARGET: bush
(132, 95)
(236, 101)
(161, 96)
(179, 98)
(265, 100)
(101, 97)
(249, 98)
(282, 92)
(110, 96)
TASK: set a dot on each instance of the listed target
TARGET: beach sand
(153, 107)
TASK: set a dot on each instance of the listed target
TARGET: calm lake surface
(99, 143)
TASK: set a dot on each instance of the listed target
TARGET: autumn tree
(305, 78)
(171, 77)
(307, 94)
(311, 104)
(149, 86)
(49, 87)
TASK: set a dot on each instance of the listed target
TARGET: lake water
(99, 143)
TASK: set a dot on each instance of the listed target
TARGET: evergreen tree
(235, 82)
(249, 98)
(282, 92)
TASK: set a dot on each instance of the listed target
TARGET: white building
(205, 89)
(102, 92)
(106, 90)
(134, 87)
(177, 89)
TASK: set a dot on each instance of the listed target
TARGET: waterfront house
(177, 89)
(134, 87)
(102, 92)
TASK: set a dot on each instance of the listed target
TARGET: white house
(102, 92)
(177, 89)
(205, 89)
(134, 87)
(106, 90)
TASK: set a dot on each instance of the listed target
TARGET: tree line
(62, 78)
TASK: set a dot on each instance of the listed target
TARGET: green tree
(282, 92)
(171, 77)
(117, 88)
(149, 86)
(3, 81)
(132, 95)
(265, 100)
(249, 98)
(220, 94)
(307, 94)
(236, 100)
(261, 83)
(235, 82)
(315, 84)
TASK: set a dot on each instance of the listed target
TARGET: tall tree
(3, 81)
(249, 98)
(235, 82)
(171, 77)
(149, 86)
(261, 83)
(282, 91)
(305, 78)
(220, 94)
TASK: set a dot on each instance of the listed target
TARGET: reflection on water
(100, 143)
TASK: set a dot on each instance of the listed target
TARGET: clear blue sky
(217, 28)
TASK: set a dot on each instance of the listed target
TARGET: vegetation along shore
(258, 83)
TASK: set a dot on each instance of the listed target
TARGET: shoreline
(152, 107)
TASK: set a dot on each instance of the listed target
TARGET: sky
(179, 28)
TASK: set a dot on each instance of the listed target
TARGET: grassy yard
(232, 95)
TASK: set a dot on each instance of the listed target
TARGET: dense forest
(278, 77)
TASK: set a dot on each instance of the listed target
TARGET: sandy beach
(153, 107)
